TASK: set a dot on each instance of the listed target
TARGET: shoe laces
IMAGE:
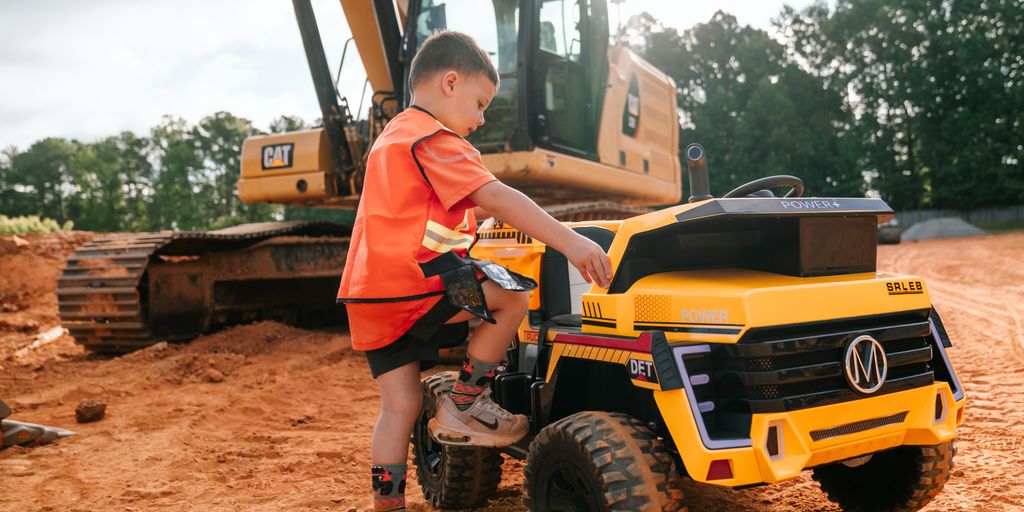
(488, 405)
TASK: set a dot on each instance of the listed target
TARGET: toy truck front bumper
(783, 444)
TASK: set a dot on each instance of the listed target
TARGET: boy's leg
(400, 398)
(466, 417)
(490, 341)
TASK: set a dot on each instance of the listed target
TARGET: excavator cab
(576, 119)
(547, 98)
(494, 26)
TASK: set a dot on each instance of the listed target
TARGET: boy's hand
(511, 206)
(590, 260)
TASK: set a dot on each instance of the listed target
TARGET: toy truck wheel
(451, 476)
(899, 480)
(600, 461)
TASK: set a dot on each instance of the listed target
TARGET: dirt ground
(288, 426)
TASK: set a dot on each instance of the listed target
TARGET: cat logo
(277, 156)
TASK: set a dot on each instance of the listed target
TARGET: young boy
(407, 282)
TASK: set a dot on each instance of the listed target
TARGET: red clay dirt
(270, 417)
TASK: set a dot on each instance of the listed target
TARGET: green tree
(11, 199)
(181, 176)
(137, 175)
(219, 139)
(113, 180)
(182, 199)
(288, 124)
(43, 177)
(98, 203)
(752, 107)
(937, 89)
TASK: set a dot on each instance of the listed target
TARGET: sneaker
(485, 423)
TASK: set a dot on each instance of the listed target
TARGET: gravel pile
(945, 227)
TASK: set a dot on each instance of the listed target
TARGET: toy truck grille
(797, 367)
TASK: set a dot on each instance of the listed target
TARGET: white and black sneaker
(484, 423)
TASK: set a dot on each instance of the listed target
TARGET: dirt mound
(216, 357)
(270, 417)
(29, 267)
(239, 412)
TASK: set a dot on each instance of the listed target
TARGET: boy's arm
(511, 206)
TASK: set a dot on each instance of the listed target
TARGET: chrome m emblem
(864, 364)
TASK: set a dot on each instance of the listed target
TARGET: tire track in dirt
(970, 293)
(975, 285)
(973, 305)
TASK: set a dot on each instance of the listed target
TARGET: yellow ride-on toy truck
(742, 340)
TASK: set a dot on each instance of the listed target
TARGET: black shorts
(422, 341)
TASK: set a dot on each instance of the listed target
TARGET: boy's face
(466, 98)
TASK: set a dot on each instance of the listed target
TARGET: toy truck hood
(722, 305)
(712, 270)
(798, 237)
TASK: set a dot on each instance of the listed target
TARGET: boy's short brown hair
(450, 50)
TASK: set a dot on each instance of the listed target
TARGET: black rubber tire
(451, 476)
(899, 480)
(600, 461)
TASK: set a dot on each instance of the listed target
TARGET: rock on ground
(89, 411)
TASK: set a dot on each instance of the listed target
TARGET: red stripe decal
(640, 344)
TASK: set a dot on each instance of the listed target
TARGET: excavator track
(125, 292)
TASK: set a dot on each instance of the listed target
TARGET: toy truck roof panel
(787, 206)
(797, 237)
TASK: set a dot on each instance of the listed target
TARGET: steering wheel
(796, 186)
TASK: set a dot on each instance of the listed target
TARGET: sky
(89, 69)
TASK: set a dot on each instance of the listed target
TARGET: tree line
(178, 176)
(919, 101)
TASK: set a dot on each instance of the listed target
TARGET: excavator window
(563, 79)
(551, 97)
(560, 29)
(495, 27)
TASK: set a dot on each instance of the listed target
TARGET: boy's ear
(448, 81)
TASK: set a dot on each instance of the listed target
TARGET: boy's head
(454, 79)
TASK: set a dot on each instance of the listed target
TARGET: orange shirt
(414, 207)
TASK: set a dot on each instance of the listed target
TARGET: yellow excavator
(580, 123)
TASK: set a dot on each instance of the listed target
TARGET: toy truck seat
(561, 285)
